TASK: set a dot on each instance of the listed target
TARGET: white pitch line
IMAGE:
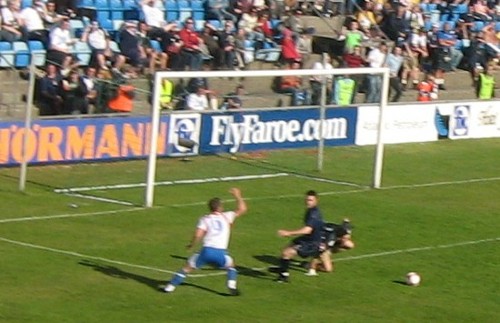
(118, 262)
(62, 216)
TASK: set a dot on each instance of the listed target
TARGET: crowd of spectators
(427, 37)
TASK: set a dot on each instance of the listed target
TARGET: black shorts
(305, 247)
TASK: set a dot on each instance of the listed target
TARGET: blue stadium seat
(116, 8)
(83, 52)
(199, 24)
(216, 23)
(85, 4)
(497, 26)
(77, 27)
(22, 54)
(129, 4)
(198, 9)
(6, 54)
(184, 8)
(26, 3)
(38, 52)
(171, 10)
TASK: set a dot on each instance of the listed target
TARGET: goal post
(176, 75)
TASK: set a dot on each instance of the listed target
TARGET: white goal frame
(156, 110)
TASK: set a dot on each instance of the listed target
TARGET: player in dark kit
(335, 238)
(309, 240)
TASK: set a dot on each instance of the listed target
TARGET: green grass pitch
(92, 258)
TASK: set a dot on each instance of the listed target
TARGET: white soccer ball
(412, 279)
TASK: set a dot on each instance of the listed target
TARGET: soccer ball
(412, 279)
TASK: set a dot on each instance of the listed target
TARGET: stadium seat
(184, 8)
(83, 52)
(171, 10)
(199, 24)
(6, 54)
(26, 3)
(116, 8)
(117, 24)
(38, 52)
(77, 27)
(114, 47)
(440, 124)
(215, 23)
(129, 4)
(22, 54)
(85, 4)
(198, 9)
(497, 26)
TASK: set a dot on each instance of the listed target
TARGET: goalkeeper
(335, 238)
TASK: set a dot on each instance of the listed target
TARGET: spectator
(394, 62)
(376, 58)
(174, 51)
(119, 93)
(51, 102)
(304, 43)
(289, 51)
(191, 46)
(366, 17)
(74, 93)
(492, 40)
(61, 43)
(66, 7)
(427, 89)
(158, 29)
(446, 56)
(50, 17)
(293, 21)
(154, 57)
(353, 36)
(98, 40)
(395, 24)
(343, 90)
(12, 21)
(233, 100)
(33, 22)
(210, 39)
(130, 47)
(198, 100)
(292, 84)
(416, 54)
(481, 12)
(485, 89)
(477, 56)
(89, 79)
(315, 81)
(219, 9)
(249, 22)
(227, 44)
(355, 60)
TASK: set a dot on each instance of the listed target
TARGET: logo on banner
(184, 129)
(461, 117)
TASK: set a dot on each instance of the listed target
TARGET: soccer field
(98, 256)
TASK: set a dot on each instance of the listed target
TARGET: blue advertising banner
(235, 131)
(86, 139)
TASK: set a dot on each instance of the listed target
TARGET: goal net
(247, 133)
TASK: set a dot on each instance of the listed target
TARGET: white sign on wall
(403, 123)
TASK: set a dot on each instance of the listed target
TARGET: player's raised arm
(241, 207)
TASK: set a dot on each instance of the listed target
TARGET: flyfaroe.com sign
(247, 131)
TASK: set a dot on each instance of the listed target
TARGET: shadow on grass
(401, 282)
(152, 283)
(274, 263)
(242, 270)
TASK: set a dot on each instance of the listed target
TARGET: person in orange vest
(123, 100)
(427, 89)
